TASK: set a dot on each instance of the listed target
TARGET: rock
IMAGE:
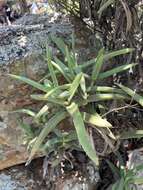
(18, 178)
(6, 183)
(74, 184)
(21, 48)
(31, 178)
(86, 181)
(28, 38)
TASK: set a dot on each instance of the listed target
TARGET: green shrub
(72, 98)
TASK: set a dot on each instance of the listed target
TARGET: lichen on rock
(21, 53)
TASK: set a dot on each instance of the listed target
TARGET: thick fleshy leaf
(115, 185)
(50, 66)
(106, 57)
(71, 136)
(98, 65)
(87, 64)
(57, 90)
(121, 184)
(105, 97)
(139, 167)
(64, 95)
(137, 180)
(42, 111)
(30, 82)
(96, 119)
(61, 68)
(41, 97)
(117, 53)
(131, 134)
(27, 111)
(83, 87)
(116, 70)
(51, 144)
(82, 134)
(49, 126)
(74, 86)
(48, 83)
(132, 93)
(71, 62)
(107, 89)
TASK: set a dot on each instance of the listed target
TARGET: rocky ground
(21, 48)
(21, 52)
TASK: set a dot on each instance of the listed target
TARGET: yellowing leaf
(96, 119)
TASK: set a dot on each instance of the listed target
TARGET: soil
(76, 174)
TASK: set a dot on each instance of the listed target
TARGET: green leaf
(57, 90)
(27, 111)
(117, 53)
(40, 97)
(116, 70)
(121, 184)
(72, 136)
(86, 64)
(50, 66)
(73, 48)
(64, 95)
(114, 169)
(107, 89)
(61, 64)
(27, 128)
(132, 93)
(82, 134)
(137, 180)
(48, 83)
(131, 134)
(74, 86)
(116, 185)
(139, 167)
(110, 134)
(62, 69)
(42, 111)
(49, 126)
(96, 119)
(30, 82)
(51, 144)
(106, 57)
(105, 97)
(98, 65)
(83, 87)
(71, 63)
